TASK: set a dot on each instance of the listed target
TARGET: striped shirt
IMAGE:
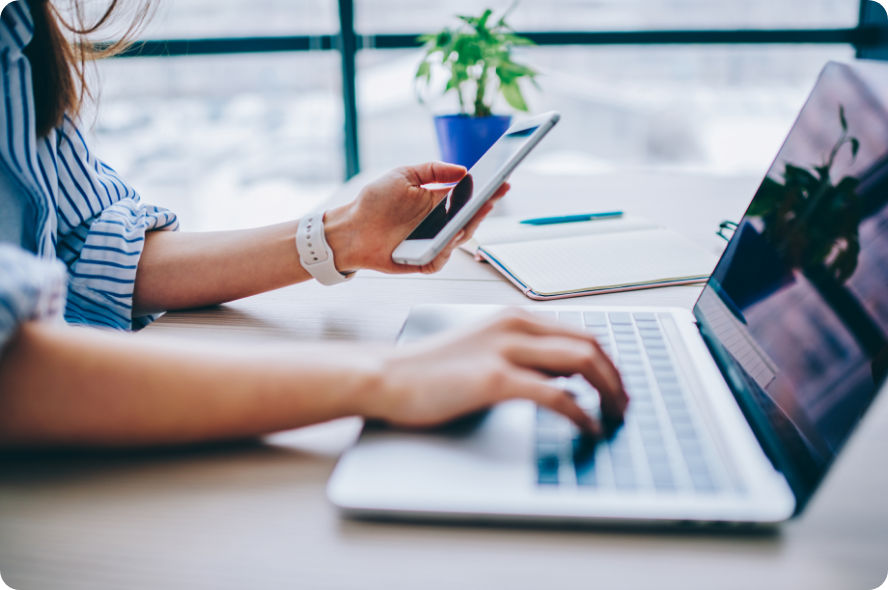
(82, 213)
(31, 288)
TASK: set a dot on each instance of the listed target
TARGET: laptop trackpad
(479, 456)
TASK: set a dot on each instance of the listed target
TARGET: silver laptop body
(738, 408)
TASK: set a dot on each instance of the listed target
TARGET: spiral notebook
(586, 258)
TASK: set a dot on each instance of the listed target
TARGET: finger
(559, 355)
(472, 225)
(539, 388)
(441, 259)
(501, 191)
(434, 172)
(470, 228)
(564, 350)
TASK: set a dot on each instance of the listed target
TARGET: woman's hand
(364, 233)
(513, 356)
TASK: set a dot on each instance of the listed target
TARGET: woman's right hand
(515, 355)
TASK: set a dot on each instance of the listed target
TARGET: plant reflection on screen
(814, 221)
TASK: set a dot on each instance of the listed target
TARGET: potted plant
(477, 56)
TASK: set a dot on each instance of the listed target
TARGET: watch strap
(315, 254)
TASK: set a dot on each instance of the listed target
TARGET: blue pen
(572, 218)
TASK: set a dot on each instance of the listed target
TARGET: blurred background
(233, 140)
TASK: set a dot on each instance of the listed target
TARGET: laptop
(738, 408)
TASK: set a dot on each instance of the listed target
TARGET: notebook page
(497, 230)
(605, 261)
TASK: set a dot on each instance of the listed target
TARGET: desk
(255, 515)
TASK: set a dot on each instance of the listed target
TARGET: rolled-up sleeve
(84, 213)
(31, 288)
(103, 276)
(102, 233)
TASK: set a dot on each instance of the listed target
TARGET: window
(717, 109)
(410, 16)
(207, 135)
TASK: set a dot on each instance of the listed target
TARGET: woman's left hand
(364, 233)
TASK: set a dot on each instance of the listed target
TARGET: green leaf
(512, 94)
(481, 24)
(444, 37)
(516, 70)
(424, 70)
(474, 52)
(842, 119)
(855, 147)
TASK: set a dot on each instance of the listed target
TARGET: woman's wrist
(340, 233)
(369, 383)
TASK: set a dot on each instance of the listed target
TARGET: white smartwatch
(315, 254)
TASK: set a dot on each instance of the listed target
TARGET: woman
(75, 239)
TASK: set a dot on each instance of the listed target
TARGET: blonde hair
(59, 63)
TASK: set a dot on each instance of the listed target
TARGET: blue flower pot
(464, 139)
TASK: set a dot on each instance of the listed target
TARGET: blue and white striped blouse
(81, 212)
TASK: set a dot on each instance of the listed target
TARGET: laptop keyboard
(659, 447)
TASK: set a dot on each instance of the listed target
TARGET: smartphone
(466, 198)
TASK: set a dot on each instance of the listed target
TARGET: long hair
(59, 53)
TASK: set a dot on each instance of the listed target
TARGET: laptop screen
(797, 309)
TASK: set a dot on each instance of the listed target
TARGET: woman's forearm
(64, 386)
(82, 387)
(186, 270)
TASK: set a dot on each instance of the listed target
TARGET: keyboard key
(663, 482)
(639, 349)
(639, 386)
(647, 423)
(625, 479)
(642, 408)
(548, 462)
(586, 475)
(658, 355)
(599, 333)
(619, 317)
(595, 318)
(584, 461)
(666, 379)
(653, 341)
(547, 470)
(657, 455)
(548, 420)
(660, 364)
(630, 357)
(572, 318)
(703, 482)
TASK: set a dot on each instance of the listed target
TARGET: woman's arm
(72, 386)
(183, 270)
(64, 386)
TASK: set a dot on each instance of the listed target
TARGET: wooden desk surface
(256, 516)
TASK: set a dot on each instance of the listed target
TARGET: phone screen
(479, 176)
